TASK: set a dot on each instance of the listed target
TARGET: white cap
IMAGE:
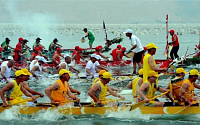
(42, 59)
(10, 57)
(128, 31)
(37, 57)
(99, 57)
(66, 55)
(95, 56)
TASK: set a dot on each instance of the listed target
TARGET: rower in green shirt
(37, 43)
(53, 45)
(25, 47)
(90, 36)
(5, 46)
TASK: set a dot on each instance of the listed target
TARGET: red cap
(145, 48)
(119, 46)
(76, 47)
(37, 49)
(100, 47)
(124, 48)
(97, 48)
(80, 49)
(40, 47)
(20, 39)
(1, 49)
(58, 49)
(17, 49)
(171, 31)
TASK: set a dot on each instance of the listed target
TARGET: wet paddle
(25, 100)
(134, 106)
(106, 102)
(130, 54)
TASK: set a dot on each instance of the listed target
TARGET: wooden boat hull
(67, 110)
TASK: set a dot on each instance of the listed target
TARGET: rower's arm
(54, 58)
(92, 91)
(10, 46)
(58, 44)
(44, 70)
(35, 68)
(152, 65)
(51, 48)
(164, 90)
(2, 71)
(14, 68)
(25, 85)
(142, 88)
(70, 94)
(26, 93)
(32, 58)
(102, 68)
(129, 85)
(184, 88)
(82, 57)
(74, 90)
(73, 70)
(174, 38)
(50, 88)
(114, 93)
(118, 56)
(103, 56)
(88, 71)
(5, 88)
(74, 57)
(62, 66)
(196, 86)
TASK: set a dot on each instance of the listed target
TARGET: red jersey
(19, 46)
(176, 43)
(57, 59)
(121, 54)
(74, 52)
(97, 53)
(114, 54)
(34, 54)
(16, 57)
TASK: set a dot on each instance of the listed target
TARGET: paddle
(106, 102)
(130, 54)
(25, 100)
(134, 106)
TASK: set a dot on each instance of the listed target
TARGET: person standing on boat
(37, 43)
(187, 88)
(67, 65)
(56, 57)
(99, 90)
(135, 84)
(175, 43)
(5, 45)
(90, 36)
(53, 45)
(149, 62)
(6, 67)
(114, 52)
(175, 84)
(98, 50)
(137, 46)
(148, 89)
(57, 91)
(77, 56)
(15, 90)
(90, 67)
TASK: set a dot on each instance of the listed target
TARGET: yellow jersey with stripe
(190, 91)
(101, 94)
(96, 80)
(135, 86)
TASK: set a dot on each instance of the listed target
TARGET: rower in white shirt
(98, 66)
(33, 62)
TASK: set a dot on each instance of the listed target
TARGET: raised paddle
(25, 100)
(134, 106)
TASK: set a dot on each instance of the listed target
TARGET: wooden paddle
(130, 54)
(25, 100)
(106, 102)
(134, 106)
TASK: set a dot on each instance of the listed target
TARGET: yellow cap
(180, 70)
(194, 72)
(101, 72)
(107, 75)
(151, 45)
(152, 73)
(19, 73)
(26, 71)
(140, 72)
(63, 71)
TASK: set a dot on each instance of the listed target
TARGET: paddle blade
(165, 64)
(104, 26)
(130, 55)
(136, 105)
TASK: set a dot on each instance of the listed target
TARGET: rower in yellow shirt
(15, 90)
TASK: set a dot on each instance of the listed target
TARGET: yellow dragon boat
(70, 110)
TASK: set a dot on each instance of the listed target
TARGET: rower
(17, 54)
(75, 50)
(175, 85)
(19, 44)
(53, 45)
(34, 54)
(37, 43)
(187, 89)
(135, 84)
(33, 62)
(5, 45)
(77, 56)
(114, 52)
(99, 90)
(37, 69)
(149, 62)
(15, 90)
(67, 65)
(98, 66)
(148, 89)
(6, 67)
(25, 47)
(25, 85)
(57, 91)
(98, 50)
(56, 57)
(120, 54)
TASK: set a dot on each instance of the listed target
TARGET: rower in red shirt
(114, 52)
(75, 51)
(98, 52)
(120, 54)
(77, 56)
(19, 44)
(56, 57)
(35, 53)
(16, 55)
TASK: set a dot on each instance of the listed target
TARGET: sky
(95, 11)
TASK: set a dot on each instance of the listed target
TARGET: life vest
(57, 59)
(101, 95)
(16, 57)
(121, 55)
(114, 54)
(151, 90)
(78, 58)
(175, 86)
(96, 80)
(7, 72)
(34, 45)
(75, 52)
(60, 94)
(146, 66)
(176, 43)
(135, 86)
(15, 94)
(53, 48)
(190, 92)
